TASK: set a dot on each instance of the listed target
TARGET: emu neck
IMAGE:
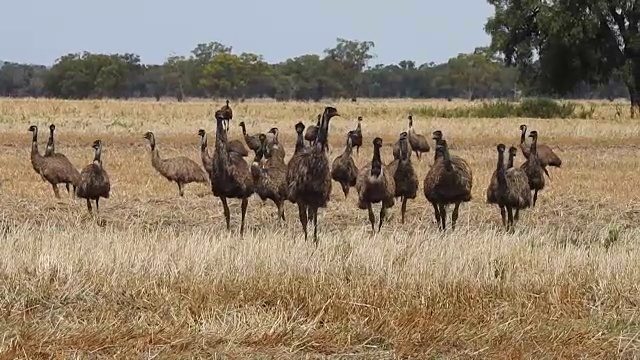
(510, 162)
(156, 161)
(244, 129)
(50, 144)
(97, 157)
(447, 159)
(500, 170)
(299, 142)
(533, 151)
(348, 149)
(404, 151)
(523, 136)
(376, 162)
(35, 153)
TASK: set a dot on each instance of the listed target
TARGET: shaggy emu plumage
(535, 171)
(269, 173)
(226, 113)
(404, 175)
(375, 185)
(300, 144)
(207, 159)
(274, 145)
(94, 180)
(252, 141)
(509, 188)
(418, 142)
(343, 168)
(309, 176)
(53, 169)
(357, 136)
(448, 181)
(50, 151)
(546, 156)
(180, 170)
(312, 131)
(231, 176)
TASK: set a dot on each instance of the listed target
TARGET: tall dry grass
(161, 277)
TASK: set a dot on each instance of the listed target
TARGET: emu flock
(306, 179)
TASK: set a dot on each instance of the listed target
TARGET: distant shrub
(541, 108)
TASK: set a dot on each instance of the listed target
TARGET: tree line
(215, 70)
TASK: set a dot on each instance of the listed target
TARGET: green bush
(541, 108)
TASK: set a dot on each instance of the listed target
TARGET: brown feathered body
(343, 168)
(448, 181)
(448, 186)
(273, 144)
(300, 144)
(312, 132)
(238, 147)
(207, 159)
(404, 175)
(181, 170)
(535, 172)
(417, 142)
(375, 184)
(546, 156)
(309, 176)
(231, 175)
(252, 141)
(372, 189)
(53, 169)
(94, 180)
(357, 136)
(269, 173)
(509, 186)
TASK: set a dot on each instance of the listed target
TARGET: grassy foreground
(161, 277)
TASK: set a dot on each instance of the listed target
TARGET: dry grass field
(160, 277)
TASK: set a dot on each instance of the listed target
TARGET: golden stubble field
(163, 278)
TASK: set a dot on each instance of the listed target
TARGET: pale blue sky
(40, 31)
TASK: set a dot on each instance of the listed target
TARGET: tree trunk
(633, 85)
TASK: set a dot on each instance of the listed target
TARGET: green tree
(348, 60)
(223, 75)
(558, 45)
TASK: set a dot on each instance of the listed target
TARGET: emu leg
(302, 213)
(443, 216)
(227, 214)
(372, 218)
(517, 217)
(68, 188)
(535, 197)
(180, 189)
(97, 205)
(56, 192)
(437, 213)
(546, 172)
(345, 189)
(510, 212)
(313, 214)
(454, 216)
(280, 205)
(418, 154)
(503, 214)
(89, 206)
(383, 213)
(403, 209)
(243, 207)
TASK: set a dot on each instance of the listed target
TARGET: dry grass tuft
(159, 275)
